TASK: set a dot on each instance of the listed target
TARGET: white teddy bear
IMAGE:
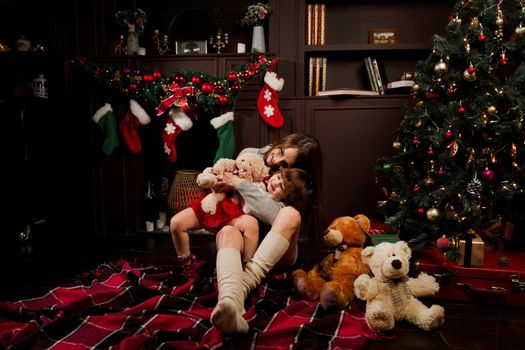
(245, 164)
(390, 294)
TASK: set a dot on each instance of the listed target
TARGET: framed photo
(191, 47)
(383, 36)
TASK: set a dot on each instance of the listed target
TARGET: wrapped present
(471, 250)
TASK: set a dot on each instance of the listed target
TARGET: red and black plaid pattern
(126, 306)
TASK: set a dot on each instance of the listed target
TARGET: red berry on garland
(157, 75)
(207, 88)
(244, 76)
(224, 100)
(447, 134)
(125, 91)
(132, 86)
(232, 77)
(218, 88)
(421, 211)
(180, 79)
(443, 242)
(487, 174)
(482, 37)
(196, 79)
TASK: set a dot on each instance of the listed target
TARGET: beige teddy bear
(246, 165)
(390, 294)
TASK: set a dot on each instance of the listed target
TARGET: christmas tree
(460, 146)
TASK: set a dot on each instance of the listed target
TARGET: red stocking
(128, 126)
(177, 122)
(268, 100)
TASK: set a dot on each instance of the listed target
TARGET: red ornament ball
(147, 78)
(157, 75)
(503, 59)
(461, 110)
(482, 37)
(416, 189)
(440, 172)
(180, 79)
(443, 242)
(232, 77)
(447, 134)
(218, 88)
(421, 211)
(415, 141)
(196, 79)
(224, 100)
(126, 70)
(451, 91)
(207, 88)
(235, 88)
(487, 174)
(430, 151)
(132, 86)
(471, 70)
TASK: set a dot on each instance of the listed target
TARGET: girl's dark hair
(298, 184)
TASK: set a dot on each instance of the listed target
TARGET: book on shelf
(400, 84)
(316, 75)
(370, 72)
(379, 79)
(347, 92)
(315, 24)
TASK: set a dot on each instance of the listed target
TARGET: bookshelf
(346, 38)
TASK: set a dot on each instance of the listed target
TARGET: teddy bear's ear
(363, 221)
(366, 254)
(404, 248)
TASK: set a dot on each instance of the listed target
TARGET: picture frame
(191, 47)
(379, 36)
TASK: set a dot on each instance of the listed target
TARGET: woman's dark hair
(309, 158)
(298, 184)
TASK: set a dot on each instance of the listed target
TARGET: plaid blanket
(121, 305)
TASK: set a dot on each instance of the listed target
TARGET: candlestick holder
(219, 40)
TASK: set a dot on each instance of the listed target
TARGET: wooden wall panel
(353, 134)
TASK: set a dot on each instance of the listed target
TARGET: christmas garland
(193, 91)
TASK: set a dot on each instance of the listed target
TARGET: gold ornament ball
(492, 109)
(469, 76)
(396, 145)
(440, 67)
(520, 30)
(415, 87)
(499, 21)
(433, 214)
(429, 181)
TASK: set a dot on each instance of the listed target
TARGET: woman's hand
(226, 182)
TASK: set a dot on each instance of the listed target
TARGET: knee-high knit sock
(270, 251)
(227, 315)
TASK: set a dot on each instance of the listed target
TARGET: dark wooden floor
(30, 270)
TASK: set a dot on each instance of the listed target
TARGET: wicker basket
(184, 190)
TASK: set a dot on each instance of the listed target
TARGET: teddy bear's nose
(396, 264)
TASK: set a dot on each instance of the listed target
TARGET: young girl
(288, 186)
(277, 250)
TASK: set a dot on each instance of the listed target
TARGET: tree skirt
(122, 305)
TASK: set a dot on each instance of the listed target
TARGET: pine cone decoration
(474, 188)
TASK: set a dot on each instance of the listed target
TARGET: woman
(278, 249)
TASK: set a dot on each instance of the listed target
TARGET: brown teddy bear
(332, 280)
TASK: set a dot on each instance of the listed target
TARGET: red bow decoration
(178, 98)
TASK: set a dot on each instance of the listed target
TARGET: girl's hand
(246, 175)
(226, 182)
